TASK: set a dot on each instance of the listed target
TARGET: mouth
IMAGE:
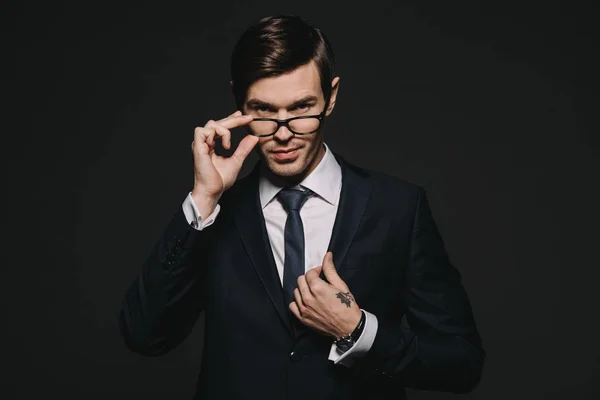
(286, 154)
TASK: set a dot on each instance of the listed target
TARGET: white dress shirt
(318, 216)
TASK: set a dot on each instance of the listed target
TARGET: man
(305, 267)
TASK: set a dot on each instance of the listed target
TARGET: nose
(283, 134)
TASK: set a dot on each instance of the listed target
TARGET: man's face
(290, 95)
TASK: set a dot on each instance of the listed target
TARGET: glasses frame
(286, 123)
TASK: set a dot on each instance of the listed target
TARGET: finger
(299, 302)
(222, 132)
(294, 309)
(234, 122)
(235, 114)
(201, 153)
(244, 148)
(208, 132)
(331, 273)
(314, 281)
(203, 135)
(304, 289)
(318, 270)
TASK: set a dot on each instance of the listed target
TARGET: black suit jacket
(387, 249)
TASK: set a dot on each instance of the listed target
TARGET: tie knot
(293, 199)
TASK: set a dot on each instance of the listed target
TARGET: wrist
(360, 326)
(346, 342)
(205, 203)
(352, 324)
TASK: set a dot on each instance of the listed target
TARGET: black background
(488, 105)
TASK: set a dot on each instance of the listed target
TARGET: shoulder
(385, 184)
(391, 198)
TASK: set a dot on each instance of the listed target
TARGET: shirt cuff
(362, 345)
(192, 214)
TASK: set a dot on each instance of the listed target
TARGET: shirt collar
(325, 181)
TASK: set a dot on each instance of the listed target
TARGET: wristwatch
(345, 343)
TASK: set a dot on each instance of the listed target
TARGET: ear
(335, 85)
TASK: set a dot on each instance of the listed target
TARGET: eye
(262, 109)
(302, 107)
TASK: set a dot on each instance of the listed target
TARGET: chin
(293, 168)
(287, 169)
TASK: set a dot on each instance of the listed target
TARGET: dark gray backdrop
(489, 106)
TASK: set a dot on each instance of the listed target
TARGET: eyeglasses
(304, 125)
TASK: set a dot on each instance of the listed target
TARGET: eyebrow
(254, 103)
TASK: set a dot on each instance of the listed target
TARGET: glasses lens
(302, 126)
(263, 127)
(305, 125)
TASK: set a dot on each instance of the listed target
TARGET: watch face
(344, 344)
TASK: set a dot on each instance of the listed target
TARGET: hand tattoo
(346, 298)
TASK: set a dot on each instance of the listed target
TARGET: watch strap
(344, 343)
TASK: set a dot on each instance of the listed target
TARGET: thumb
(245, 147)
(331, 273)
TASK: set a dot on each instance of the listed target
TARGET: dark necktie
(293, 266)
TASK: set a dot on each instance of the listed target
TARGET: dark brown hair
(277, 45)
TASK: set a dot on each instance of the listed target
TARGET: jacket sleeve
(162, 305)
(441, 349)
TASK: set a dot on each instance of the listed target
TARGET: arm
(442, 348)
(163, 303)
(362, 345)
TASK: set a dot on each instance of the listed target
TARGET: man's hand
(214, 174)
(326, 307)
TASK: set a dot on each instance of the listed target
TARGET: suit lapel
(354, 197)
(356, 190)
(251, 225)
